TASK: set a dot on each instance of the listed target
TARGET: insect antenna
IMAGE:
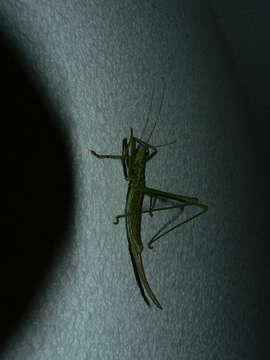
(149, 111)
(159, 112)
(169, 143)
(171, 65)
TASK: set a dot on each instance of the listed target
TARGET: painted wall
(77, 77)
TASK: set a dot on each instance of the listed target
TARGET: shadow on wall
(36, 191)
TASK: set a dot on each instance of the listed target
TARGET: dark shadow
(36, 191)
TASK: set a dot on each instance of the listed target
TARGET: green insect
(135, 154)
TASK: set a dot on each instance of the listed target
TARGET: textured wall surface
(79, 76)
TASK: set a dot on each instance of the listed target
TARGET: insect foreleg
(107, 156)
(124, 157)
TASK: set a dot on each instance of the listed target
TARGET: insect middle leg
(185, 201)
(150, 212)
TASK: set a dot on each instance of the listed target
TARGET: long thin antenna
(159, 112)
(171, 65)
(169, 143)
(149, 111)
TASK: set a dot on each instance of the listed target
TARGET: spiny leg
(157, 236)
(153, 193)
(181, 206)
(166, 195)
(185, 201)
(116, 221)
